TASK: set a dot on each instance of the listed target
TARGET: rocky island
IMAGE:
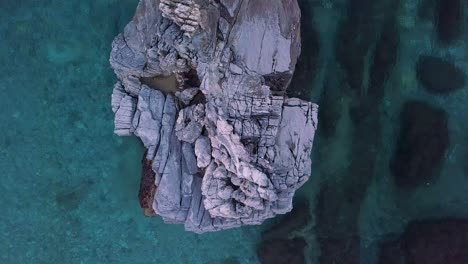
(203, 84)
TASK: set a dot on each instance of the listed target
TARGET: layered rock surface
(227, 148)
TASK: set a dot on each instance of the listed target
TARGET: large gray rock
(229, 148)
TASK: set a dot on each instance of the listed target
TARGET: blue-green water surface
(69, 186)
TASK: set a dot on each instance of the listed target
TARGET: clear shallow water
(69, 186)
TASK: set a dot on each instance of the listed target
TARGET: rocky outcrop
(228, 147)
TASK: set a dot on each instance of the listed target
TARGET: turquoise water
(69, 185)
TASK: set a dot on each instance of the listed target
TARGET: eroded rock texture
(226, 145)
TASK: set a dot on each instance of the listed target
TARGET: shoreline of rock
(228, 148)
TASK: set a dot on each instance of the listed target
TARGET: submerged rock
(357, 33)
(298, 219)
(308, 61)
(385, 57)
(282, 251)
(439, 76)
(227, 147)
(429, 242)
(465, 165)
(449, 20)
(331, 104)
(423, 141)
(337, 214)
(426, 9)
(278, 246)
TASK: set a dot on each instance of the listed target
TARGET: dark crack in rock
(147, 187)
(423, 141)
(439, 76)
(202, 84)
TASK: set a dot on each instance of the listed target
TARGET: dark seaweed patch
(423, 141)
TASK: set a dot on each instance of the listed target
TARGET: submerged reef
(439, 76)
(423, 142)
(203, 85)
(438, 241)
(284, 243)
(449, 20)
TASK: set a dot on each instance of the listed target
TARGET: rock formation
(226, 145)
